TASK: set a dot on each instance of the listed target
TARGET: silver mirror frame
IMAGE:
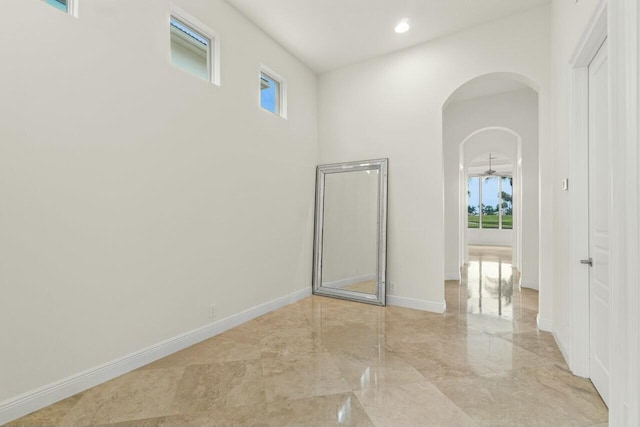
(380, 165)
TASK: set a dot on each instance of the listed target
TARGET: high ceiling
(328, 34)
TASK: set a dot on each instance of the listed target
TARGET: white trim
(546, 208)
(561, 345)
(592, 37)
(283, 90)
(544, 324)
(349, 281)
(579, 226)
(630, 15)
(452, 276)
(417, 304)
(624, 24)
(36, 399)
(72, 7)
(213, 59)
(587, 47)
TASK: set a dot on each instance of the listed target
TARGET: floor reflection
(344, 412)
(489, 281)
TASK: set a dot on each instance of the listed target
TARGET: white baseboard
(417, 304)
(28, 402)
(563, 348)
(544, 324)
(349, 281)
(452, 276)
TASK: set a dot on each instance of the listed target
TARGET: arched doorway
(491, 159)
(494, 115)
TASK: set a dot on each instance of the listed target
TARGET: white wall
(488, 237)
(133, 195)
(518, 112)
(350, 229)
(569, 21)
(392, 107)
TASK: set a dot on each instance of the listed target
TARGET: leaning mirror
(351, 231)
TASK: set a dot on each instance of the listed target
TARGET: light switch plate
(565, 184)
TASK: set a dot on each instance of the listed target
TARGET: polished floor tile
(329, 410)
(241, 416)
(51, 415)
(301, 376)
(412, 405)
(219, 385)
(216, 350)
(137, 395)
(290, 342)
(329, 362)
(543, 396)
(373, 373)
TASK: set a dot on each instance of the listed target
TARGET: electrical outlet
(392, 286)
(212, 311)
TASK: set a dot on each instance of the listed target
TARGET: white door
(599, 205)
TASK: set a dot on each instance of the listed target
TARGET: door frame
(620, 21)
(588, 46)
(624, 57)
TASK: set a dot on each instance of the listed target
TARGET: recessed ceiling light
(403, 26)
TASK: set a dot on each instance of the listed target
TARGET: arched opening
(490, 181)
(490, 158)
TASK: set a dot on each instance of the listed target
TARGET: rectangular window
(194, 47)
(507, 203)
(490, 205)
(490, 202)
(473, 192)
(272, 92)
(67, 6)
(59, 4)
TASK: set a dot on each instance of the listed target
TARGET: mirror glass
(351, 231)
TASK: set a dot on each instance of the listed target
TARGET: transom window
(272, 92)
(66, 6)
(194, 47)
(490, 203)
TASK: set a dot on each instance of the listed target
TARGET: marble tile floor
(328, 362)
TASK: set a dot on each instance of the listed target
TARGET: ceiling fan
(490, 172)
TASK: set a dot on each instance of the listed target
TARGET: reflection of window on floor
(490, 202)
(490, 283)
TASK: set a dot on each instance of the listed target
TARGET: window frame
(72, 7)
(213, 52)
(282, 92)
(500, 201)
